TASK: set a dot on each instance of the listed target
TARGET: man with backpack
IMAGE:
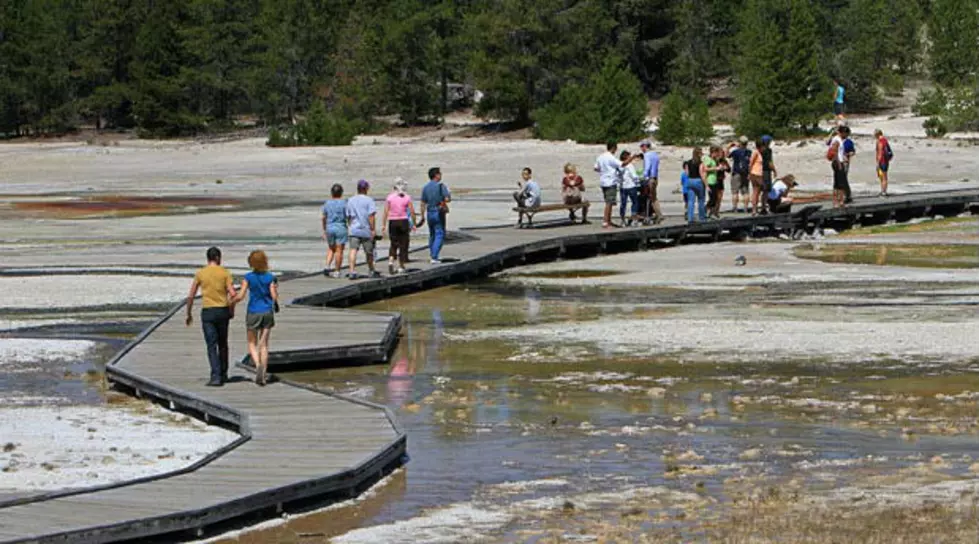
(884, 156)
(849, 150)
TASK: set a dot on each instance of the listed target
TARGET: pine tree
(107, 40)
(216, 38)
(954, 33)
(609, 106)
(780, 83)
(161, 99)
(758, 68)
(409, 62)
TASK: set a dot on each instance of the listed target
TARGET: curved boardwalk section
(301, 445)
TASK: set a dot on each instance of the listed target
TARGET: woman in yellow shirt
(217, 294)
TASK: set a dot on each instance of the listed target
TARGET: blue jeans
(214, 321)
(631, 194)
(695, 191)
(436, 232)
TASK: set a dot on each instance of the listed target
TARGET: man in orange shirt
(217, 292)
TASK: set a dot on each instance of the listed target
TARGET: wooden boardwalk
(298, 445)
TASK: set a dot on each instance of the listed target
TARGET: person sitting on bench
(572, 187)
(529, 195)
(779, 200)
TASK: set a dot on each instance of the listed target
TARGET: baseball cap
(645, 143)
(363, 184)
(743, 139)
(766, 139)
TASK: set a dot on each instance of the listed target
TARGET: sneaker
(335, 274)
(605, 225)
(391, 269)
(402, 271)
(326, 272)
(374, 274)
(351, 276)
(434, 261)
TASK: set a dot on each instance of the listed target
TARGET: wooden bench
(531, 212)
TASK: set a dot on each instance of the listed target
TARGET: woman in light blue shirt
(334, 221)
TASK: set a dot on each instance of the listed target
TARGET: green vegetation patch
(917, 256)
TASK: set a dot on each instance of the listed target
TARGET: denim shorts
(336, 236)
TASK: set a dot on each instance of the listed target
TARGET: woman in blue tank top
(263, 301)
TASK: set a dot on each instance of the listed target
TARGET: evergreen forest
(578, 69)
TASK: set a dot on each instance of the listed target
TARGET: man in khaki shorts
(740, 158)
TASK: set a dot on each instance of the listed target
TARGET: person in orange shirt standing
(217, 294)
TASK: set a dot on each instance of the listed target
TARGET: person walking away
(399, 220)
(628, 189)
(435, 201)
(756, 176)
(361, 221)
(711, 169)
(740, 158)
(884, 156)
(849, 151)
(263, 301)
(572, 190)
(528, 193)
(779, 200)
(650, 173)
(835, 156)
(695, 186)
(333, 218)
(769, 173)
(839, 108)
(217, 297)
(608, 168)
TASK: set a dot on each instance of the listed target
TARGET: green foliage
(608, 106)
(881, 40)
(524, 51)
(684, 120)
(935, 127)
(319, 128)
(781, 86)
(954, 34)
(949, 109)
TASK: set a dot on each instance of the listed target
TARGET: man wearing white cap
(650, 174)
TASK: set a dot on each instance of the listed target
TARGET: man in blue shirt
(435, 201)
(740, 164)
(650, 177)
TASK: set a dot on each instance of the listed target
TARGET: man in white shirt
(609, 172)
(837, 155)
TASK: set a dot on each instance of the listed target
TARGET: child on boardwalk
(334, 221)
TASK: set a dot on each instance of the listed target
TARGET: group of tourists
(840, 152)
(632, 177)
(353, 221)
(219, 298)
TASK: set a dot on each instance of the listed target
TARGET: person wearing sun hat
(361, 224)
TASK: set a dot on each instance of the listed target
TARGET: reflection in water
(481, 413)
